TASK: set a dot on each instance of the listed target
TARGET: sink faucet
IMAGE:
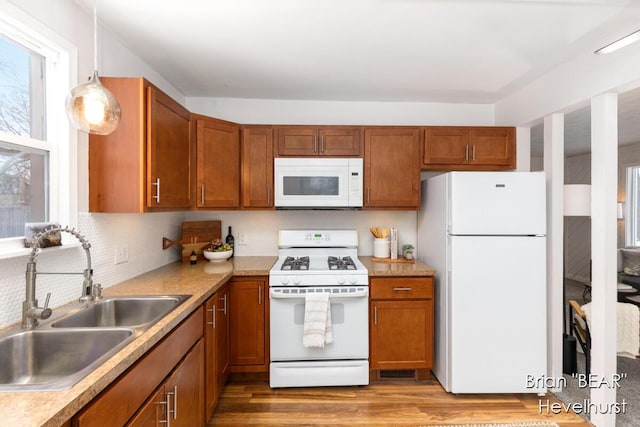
(90, 291)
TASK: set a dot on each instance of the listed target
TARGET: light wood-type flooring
(393, 403)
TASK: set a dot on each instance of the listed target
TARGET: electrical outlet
(122, 254)
(242, 239)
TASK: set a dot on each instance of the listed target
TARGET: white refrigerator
(484, 233)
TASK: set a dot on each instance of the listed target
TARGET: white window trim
(61, 75)
(631, 205)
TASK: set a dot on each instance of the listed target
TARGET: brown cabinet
(257, 167)
(249, 324)
(218, 163)
(211, 392)
(223, 362)
(401, 323)
(392, 168)
(161, 366)
(180, 398)
(145, 164)
(469, 148)
(330, 141)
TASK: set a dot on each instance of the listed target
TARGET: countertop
(53, 408)
(396, 268)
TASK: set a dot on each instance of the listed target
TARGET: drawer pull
(213, 317)
(402, 289)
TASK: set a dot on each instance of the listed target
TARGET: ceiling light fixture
(618, 44)
(91, 107)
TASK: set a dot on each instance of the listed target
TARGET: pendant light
(91, 107)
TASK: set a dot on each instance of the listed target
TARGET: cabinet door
(168, 152)
(210, 367)
(445, 146)
(185, 390)
(392, 168)
(402, 334)
(340, 142)
(297, 141)
(492, 146)
(257, 168)
(222, 337)
(218, 164)
(248, 322)
(153, 413)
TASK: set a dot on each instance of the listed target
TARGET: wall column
(604, 190)
(554, 171)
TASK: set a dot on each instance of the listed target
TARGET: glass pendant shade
(92, 108)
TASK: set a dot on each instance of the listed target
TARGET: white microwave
(313, 182)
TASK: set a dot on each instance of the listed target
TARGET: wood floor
(381, 404)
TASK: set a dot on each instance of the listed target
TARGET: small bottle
(193, 258)
(230, 240)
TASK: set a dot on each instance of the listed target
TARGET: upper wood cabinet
(218, 163)
(330, 141)
(145, 164)
(392, 167)
(257, 167)
(469, 148)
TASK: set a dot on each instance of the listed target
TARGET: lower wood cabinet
(176, 361)
(249, 325)
(179, 400)
(401, 323)
(222, 336)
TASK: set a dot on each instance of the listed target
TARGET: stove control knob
(297, 280)
(341, 280)
(284, 280)
(353, 280)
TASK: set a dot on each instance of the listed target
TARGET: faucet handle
(46, 311)
(97, 289)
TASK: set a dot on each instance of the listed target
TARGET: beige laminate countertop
(53, 408)
(382, 269)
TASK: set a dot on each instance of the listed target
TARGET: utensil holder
(381, 248)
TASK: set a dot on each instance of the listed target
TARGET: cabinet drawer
(401, 288)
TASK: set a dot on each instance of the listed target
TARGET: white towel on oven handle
(317, 330)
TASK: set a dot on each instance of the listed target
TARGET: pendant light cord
(95, 35)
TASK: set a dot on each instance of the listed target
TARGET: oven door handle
(274, 294)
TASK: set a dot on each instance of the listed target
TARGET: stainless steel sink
(135, 311)
(55, 359)
(58, 354)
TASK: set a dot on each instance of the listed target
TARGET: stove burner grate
(344, 263)
(297, 263)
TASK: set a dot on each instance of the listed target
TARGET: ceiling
(461, 51)
(458, 51)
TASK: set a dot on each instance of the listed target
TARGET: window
(37, 178)
(632, 218)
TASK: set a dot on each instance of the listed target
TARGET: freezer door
(497, 313)
(497, 203)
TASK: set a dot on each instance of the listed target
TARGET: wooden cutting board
(195, 236)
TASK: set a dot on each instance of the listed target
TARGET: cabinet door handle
(167, 421)
(202, 194)
(466, 153)
(375, 315)
(175, 402)
(269, 195)
(322, 145)
(157, 184)
(401, 289)
(167, 411)
(473, 153)
(315, 144)
(368, 195)
(224, 308)
(213, 316)
(259, 295)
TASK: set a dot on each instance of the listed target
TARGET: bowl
(217, 256)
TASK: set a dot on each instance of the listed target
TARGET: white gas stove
(312, 262)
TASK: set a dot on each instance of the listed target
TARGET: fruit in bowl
(217, 253)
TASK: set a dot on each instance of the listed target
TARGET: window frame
(61, 139)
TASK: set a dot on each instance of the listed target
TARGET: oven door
(316, 182)
(349, 318)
